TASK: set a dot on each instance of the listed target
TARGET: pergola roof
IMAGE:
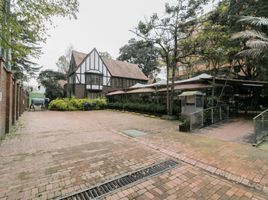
(188, 86)
(191, 93)
(248, 83)
(115, 93)
(141, 90)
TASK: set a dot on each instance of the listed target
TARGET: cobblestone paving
(57, 153)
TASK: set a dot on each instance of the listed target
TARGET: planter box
(184, 128)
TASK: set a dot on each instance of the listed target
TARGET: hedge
(141, 107)
(72, 104)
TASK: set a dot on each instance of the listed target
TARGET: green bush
(72, 104)
(140, 107)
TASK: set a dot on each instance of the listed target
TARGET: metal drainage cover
(134, 133)
(127, 180)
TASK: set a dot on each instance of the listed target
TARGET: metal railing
(207, 117)
(260, 126)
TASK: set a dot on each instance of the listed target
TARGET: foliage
(72, 104)
(25, 28)
(140, 107)
(253, 66)
(166, 32)
(50, 80)
(142, 53)
(64, 60)
(210, 46)
(254, 50)
(256, 41)
(246, 8)
(105, 54)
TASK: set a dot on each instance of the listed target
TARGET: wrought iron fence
(207, 117)
(260, 126)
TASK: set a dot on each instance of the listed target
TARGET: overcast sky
(102, 24)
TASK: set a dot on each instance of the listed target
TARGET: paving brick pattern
(57, 153)
(240, 163)
(185, 182)
(237, 130)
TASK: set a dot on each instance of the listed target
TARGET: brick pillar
(13, 101)
(2, 100)
(21, 100)
(17, 101)
(23, 97)
(8, 101)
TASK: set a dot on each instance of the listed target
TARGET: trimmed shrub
(139, 107)
(143, 107)
(72, 104)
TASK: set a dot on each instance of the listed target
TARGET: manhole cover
(134, 133)
(123, 181)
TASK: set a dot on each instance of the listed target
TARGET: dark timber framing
(89, 74)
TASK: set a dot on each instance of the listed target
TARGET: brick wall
(3, 78)
(12, 100)
(80, 91)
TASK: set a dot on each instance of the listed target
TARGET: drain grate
(134, 133)
(108, 187)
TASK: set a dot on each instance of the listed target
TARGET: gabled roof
(78, 57)
(116, 68)
(123, 69)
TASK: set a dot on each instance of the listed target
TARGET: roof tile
(124, 69)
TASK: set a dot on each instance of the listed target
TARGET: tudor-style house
(90, 75)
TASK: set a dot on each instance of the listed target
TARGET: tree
(25, 28)
(239, 8)
(50, 80)
(142, 53)
(105, 54)
(254, 52)
(64, 60)
(256, 41)
(175, 25)
(234, 9)
(63, 64)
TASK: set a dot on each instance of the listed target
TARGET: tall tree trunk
(168, 97)
(172, 89)
(174, 65)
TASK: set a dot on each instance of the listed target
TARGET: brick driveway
(52, 154)
(235, 129)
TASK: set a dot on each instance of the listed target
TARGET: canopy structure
(237, 82)
(141, 90)
(190, 93)
(187, 87)
(138, 85)
(116, 93)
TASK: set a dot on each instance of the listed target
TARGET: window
(94, 79)
(118, 82)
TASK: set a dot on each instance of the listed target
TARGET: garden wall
(13, 100)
